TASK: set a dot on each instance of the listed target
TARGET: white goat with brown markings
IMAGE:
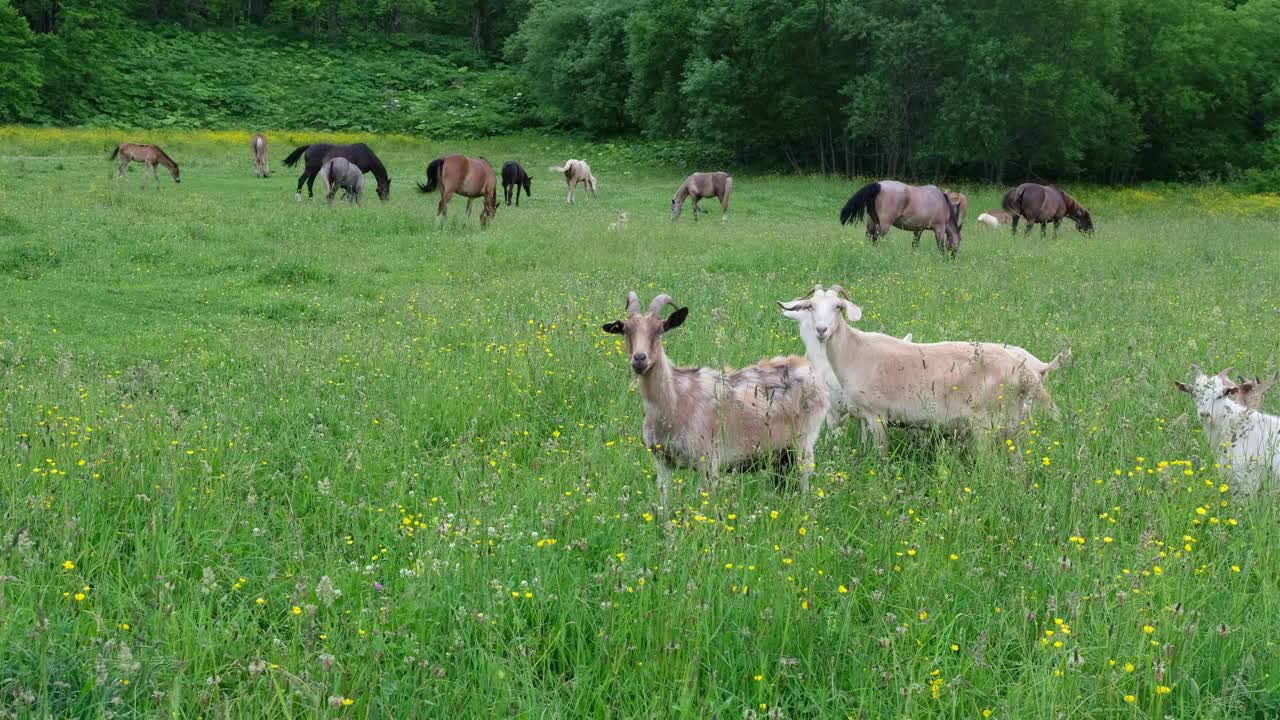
(1246, 441)
(711, 420)
(886, 381)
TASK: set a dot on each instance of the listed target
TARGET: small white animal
(994, 218)
(621, 223)
(1245, 441)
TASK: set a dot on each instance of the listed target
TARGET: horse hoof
(297, 197)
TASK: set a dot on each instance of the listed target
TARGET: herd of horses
(885, 204)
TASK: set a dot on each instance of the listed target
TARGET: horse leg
(297, 195)
(1030, 225)
(519, 187)
(1056, 223)
(939, 234)
(1013, 221)
(310, 181)
(443, 207)
(696, 209)
(121, 172)
(915, 240)
(469, 209)
(871, 234)
(1044, 228)
(724, 207)
(155, 175)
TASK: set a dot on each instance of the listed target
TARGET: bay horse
(889, 203)
(258, 143)
(703, 185)
(149, 155)
(576, 171)
(515, 178)
(1044, 204)
(359, 154)
(339, 173)
(469, 177)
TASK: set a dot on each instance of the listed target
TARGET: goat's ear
(675, 319)
(851, 311)
(613, 328)
(793, 305)
(1184, 387)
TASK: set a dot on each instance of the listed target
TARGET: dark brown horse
(150, 156)
(889, 203)
(359, 155)
(469, 177)
(703, 185)
(514, 178)
(1045, 204)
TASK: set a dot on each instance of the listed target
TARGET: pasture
(265, 458)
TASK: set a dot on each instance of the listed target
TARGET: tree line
(1106, 90)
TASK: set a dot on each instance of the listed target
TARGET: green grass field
(220, 408)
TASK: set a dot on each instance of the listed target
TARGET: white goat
(712, 420)
(1245, 441)
(886, 381)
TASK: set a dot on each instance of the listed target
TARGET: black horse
(514, 176)
(359, 155)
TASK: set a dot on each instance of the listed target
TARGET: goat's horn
(839, 291)
(659, 302)
(1223, 374)
(633, 303)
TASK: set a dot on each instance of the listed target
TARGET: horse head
(384, 189)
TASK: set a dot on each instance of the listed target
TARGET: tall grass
(277, 459)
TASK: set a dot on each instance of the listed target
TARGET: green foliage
(219, 80)
(20, 70)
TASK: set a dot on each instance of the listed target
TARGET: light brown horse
(259, 146)
(469, 177)
(703, 185)
(576, 171)
(149, 155)
(889, 203)
(1045, 204)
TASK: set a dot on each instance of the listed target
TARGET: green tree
(20, 77)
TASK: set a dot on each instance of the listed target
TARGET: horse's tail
(114, 153)
(1012, 200)
(564, 169)
(862, 201)
(433, 176)
(293, 156)
(728, 187)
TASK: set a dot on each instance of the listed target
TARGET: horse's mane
(168, 161)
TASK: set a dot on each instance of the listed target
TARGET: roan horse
(259, 146)
(359, 155)
(1045, 204)
(149, 155)
(703, 185)
(469, 177)
(514, 178)
(339, 173)
(576, 171)
(889, 204)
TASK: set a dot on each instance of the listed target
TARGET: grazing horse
(359, 155)
(469, 177)
(339, 173)
(961, 203)
(514, 178)
(149, 155)
(259, 146)
(1044, 204)
(576, 171)
(889, 204)
(703, 185)
(994, 218)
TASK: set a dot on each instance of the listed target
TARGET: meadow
(265, 458)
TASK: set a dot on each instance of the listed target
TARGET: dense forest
(1108, 90)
